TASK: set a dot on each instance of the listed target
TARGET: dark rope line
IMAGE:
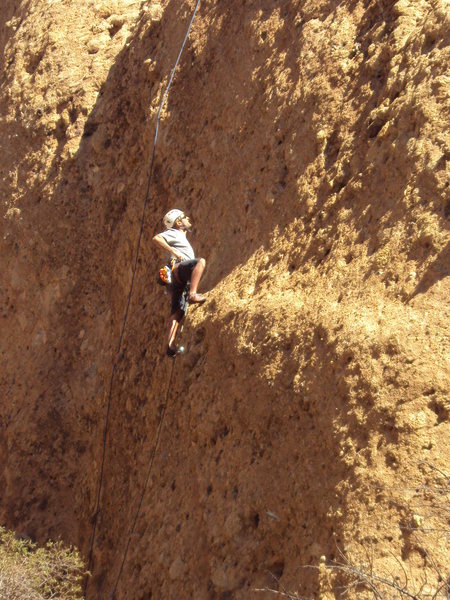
(149, 470)
(147, 195)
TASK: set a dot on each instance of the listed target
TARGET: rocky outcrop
(309, 416)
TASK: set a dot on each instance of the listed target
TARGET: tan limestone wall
(308, 140)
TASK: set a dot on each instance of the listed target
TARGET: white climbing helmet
(171, 217)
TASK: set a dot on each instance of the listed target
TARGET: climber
(187, 270)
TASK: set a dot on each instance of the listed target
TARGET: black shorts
(180, 286)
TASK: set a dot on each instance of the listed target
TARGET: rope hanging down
(147, 478)
(147, 195)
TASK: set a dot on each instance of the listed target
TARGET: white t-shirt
(178, 241)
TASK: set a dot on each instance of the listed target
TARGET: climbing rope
(147, 478)
(118, 355)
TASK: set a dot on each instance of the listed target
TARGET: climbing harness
(118, 353)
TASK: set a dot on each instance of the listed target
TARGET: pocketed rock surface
(308, 421)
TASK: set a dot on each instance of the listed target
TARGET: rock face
(309, 416)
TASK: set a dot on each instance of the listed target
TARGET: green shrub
(31, 573)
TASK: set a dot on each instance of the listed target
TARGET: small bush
(31, 573)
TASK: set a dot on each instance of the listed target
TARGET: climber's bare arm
(161, 243)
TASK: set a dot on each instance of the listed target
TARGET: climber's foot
(196, 299)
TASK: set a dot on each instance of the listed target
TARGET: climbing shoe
(196, 299)
(171, 352)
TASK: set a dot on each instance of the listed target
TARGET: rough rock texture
(309, 417)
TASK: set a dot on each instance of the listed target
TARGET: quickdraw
(166, 274)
